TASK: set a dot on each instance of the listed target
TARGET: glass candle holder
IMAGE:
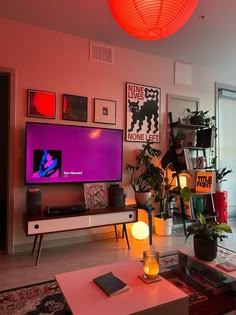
(151, 264)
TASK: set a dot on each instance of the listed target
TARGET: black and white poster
(143, 113)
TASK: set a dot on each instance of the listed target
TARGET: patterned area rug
(41, 298)
(46, 297)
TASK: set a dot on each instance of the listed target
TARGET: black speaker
(34, 201)
(116, 197)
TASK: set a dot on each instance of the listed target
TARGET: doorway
(4, 145)
(225, 141)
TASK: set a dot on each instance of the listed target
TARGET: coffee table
(211, 290)
(84, 297)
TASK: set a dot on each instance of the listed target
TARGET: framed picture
(95, 195)
(74, 107)
(184, 120)
(41, 104)
(142, 113)
(104, 111)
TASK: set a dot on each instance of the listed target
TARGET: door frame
(218, 88)
(11, 154)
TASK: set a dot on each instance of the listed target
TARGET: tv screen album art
(69, 154)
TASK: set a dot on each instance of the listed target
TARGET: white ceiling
(209, 42)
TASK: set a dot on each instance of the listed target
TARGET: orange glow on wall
(152, 19)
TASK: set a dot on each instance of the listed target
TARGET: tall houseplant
(220, 177)
(170, 189)
(166, 199)
(205, 237)
(145, 176)
(221, 173)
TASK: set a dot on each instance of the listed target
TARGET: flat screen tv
(72, 154)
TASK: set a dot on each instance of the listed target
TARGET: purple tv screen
(70, 154)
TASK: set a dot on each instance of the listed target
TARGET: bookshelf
(194, 154)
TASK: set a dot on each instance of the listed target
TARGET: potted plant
(145, 176)
(200, 117)
(206, 235)
(220, 177)
(179, 139)
(221, 173)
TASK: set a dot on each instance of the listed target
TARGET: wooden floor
(19, 269)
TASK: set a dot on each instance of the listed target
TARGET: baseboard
(66, 241)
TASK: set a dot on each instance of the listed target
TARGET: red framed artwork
(41, 104)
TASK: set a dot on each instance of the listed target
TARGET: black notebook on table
(110, 284)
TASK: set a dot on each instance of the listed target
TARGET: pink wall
(51, 61)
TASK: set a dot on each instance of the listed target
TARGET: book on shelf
(188, 159)
(190, 139)
(110, 284)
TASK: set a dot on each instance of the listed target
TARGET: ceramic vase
(163, 227)
(219, 186)
(205, 248)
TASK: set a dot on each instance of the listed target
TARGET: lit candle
(151, 264)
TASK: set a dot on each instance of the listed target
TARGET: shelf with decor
(194, 154)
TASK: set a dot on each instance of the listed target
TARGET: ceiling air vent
(101, 53)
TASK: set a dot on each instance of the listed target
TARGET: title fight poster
(143, 113)
(205, 182)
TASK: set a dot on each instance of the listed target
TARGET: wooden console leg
(39, 249)
(116, 232)
(126, 235)
(35, 241)
(149, 211)
(123, 232)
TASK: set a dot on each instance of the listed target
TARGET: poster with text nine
(142, 113)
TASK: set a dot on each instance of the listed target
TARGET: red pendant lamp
(152, 19)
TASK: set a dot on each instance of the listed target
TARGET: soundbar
(64, 210)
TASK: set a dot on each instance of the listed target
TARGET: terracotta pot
(143, 199)
(205, 248)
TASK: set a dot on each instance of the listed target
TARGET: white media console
(38, 225)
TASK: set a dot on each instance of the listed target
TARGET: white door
(227, 147)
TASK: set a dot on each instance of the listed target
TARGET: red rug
(40, 298)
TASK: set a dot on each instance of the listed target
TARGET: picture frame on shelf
(205, 182)
(104, 111)
(74, 107)
(95, 195)
(184, 120)
(41, 104)
(200, 162)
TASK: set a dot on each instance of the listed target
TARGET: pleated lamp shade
(152, 19)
